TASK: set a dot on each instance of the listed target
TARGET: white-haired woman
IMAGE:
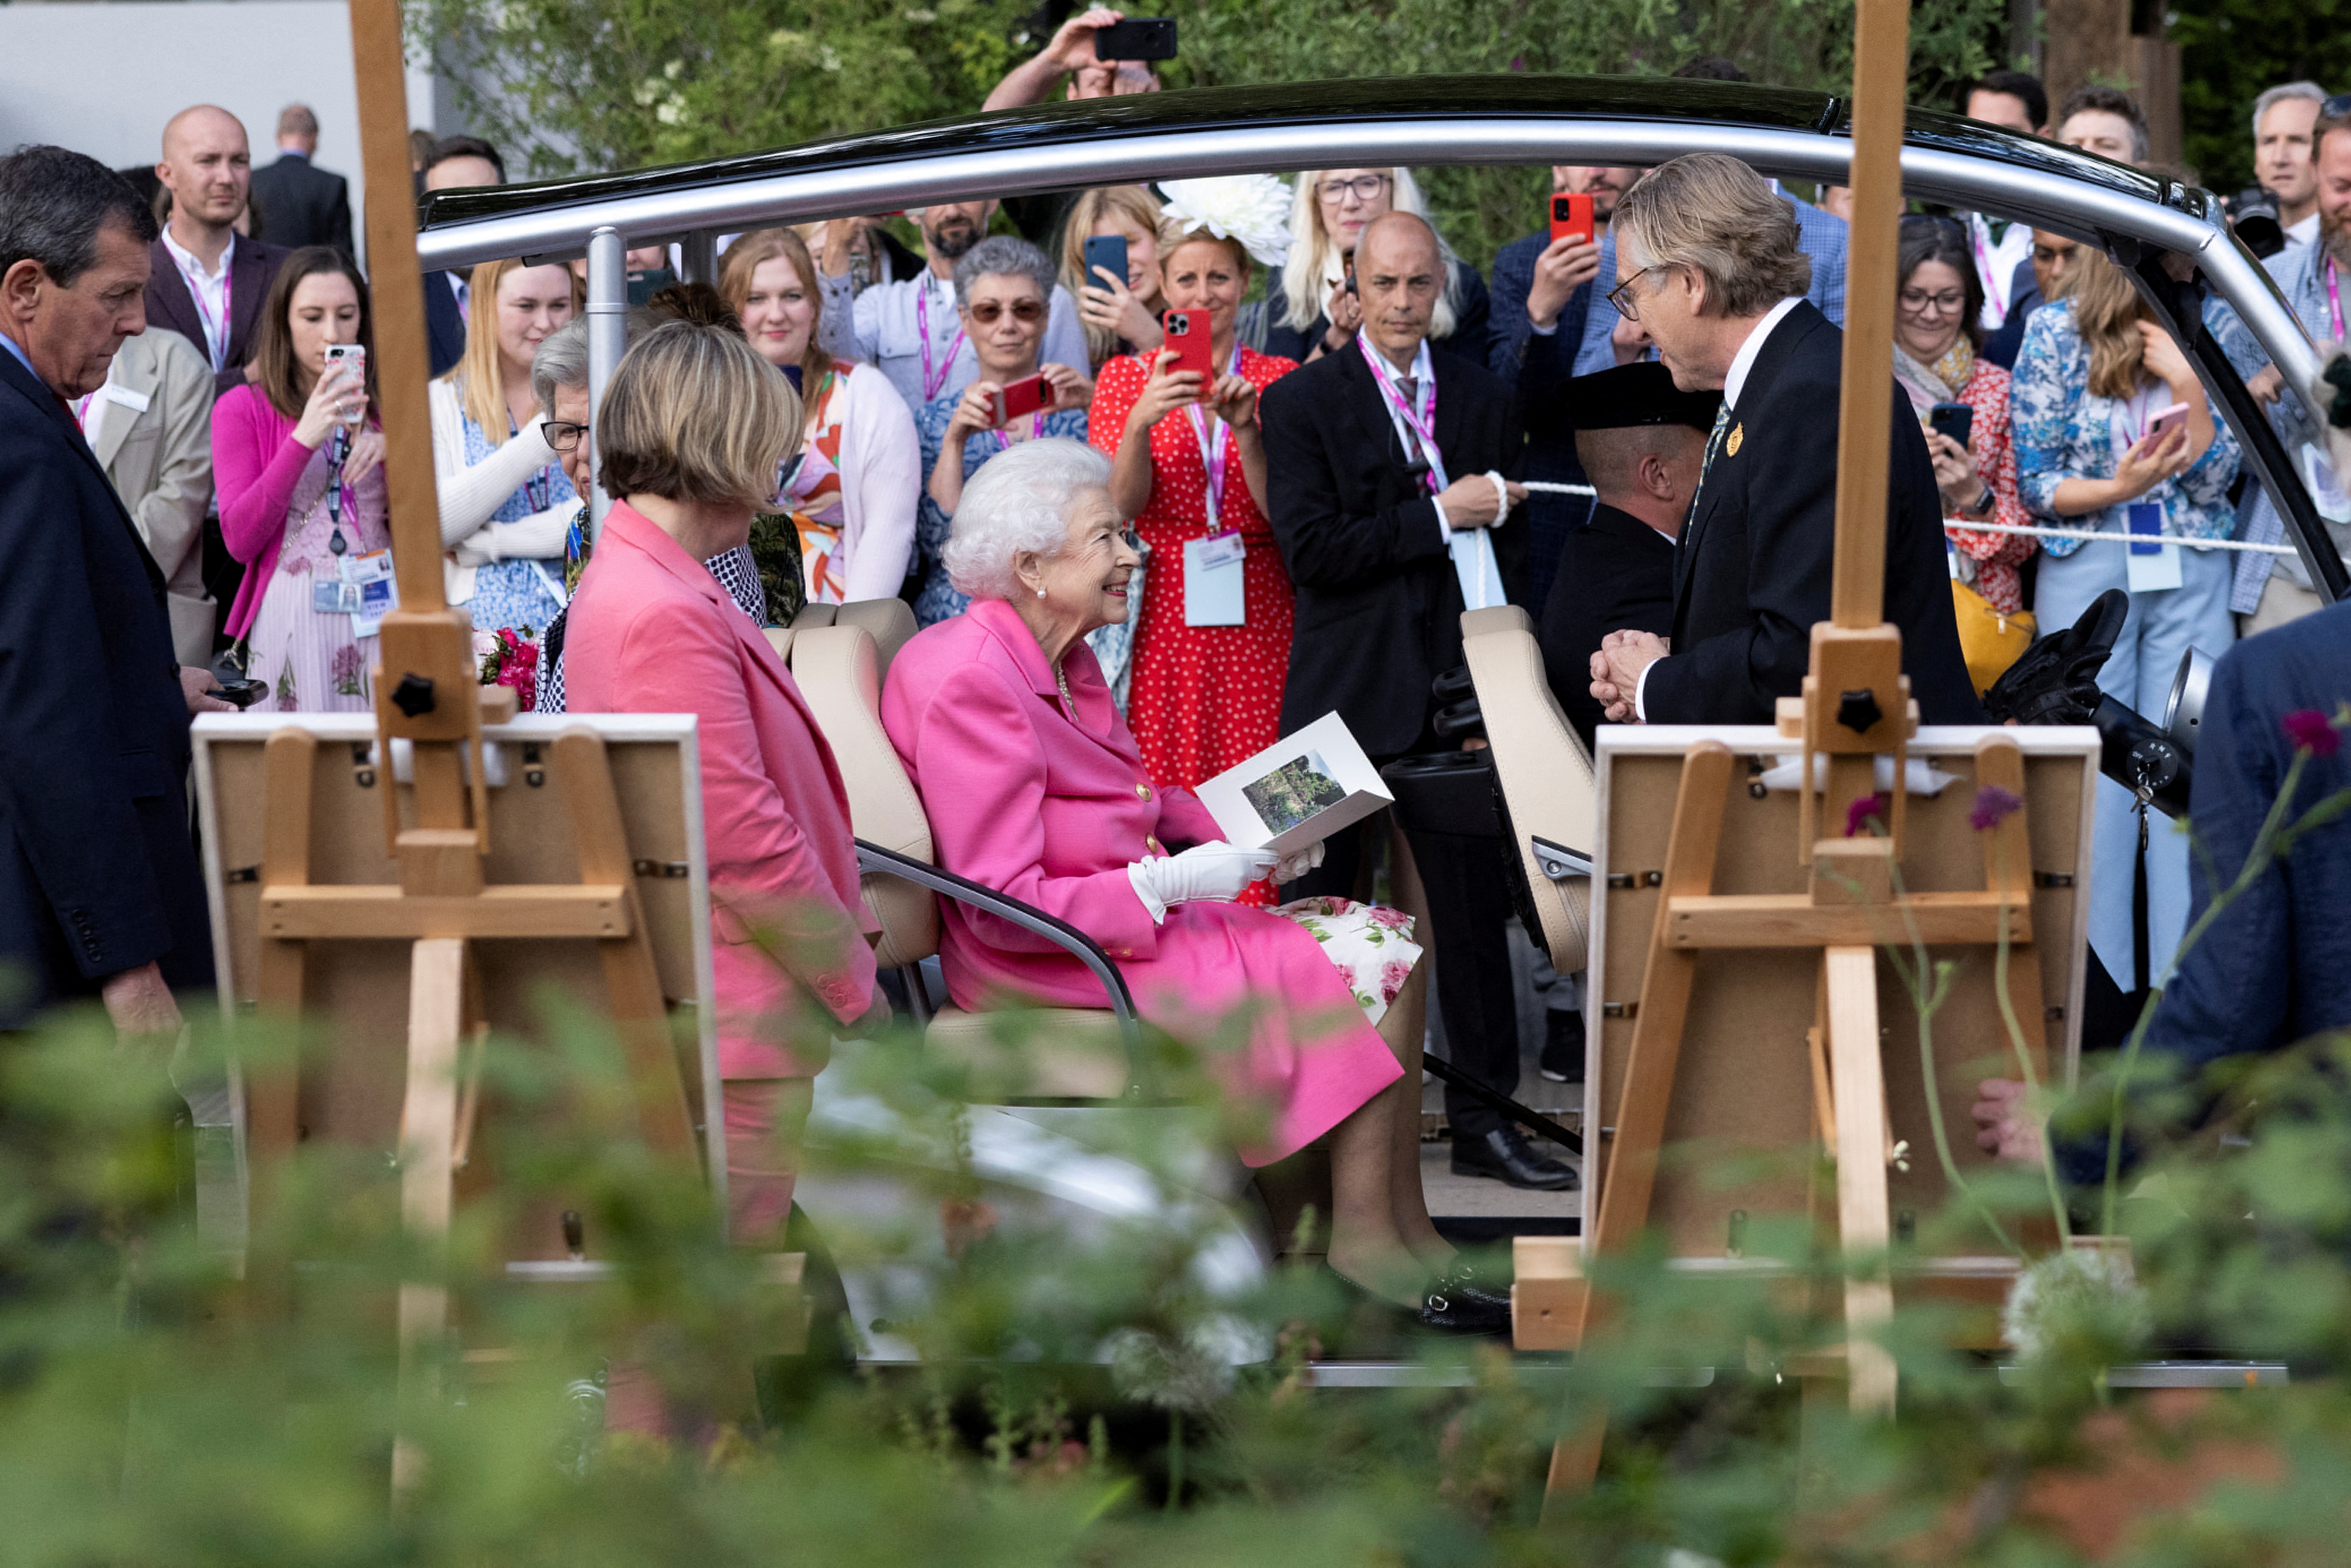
(1320, 311)
(1004, 290)
(1034, 787)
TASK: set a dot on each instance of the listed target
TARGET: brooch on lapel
(1738, 435)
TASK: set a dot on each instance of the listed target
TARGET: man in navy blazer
(456, 163)
(208, 168)
(99, 894)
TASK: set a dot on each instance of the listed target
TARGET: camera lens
(2253, 213)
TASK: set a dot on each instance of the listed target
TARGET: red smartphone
(1187, 334)
(2165, 421)
(1029, 395)
(1571, 215)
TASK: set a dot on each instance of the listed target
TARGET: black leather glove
(2057, 680)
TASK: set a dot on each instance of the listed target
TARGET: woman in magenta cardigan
(688, 440)
(1035, 787)
(298, 461)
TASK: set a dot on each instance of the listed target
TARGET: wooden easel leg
(1574, 1462)
(1865, 1222)
(436, 1016)
(639, 1009)
(273, 1091)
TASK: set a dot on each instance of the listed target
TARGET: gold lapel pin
(1738, 433)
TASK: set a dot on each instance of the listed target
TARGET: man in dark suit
(1641, 439)
(457, 163)
(99, 894)
(1390, 468)
(1752, 567)
(301, 205)
(210, 282)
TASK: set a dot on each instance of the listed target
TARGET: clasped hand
(1617, 670)
(976, 411)
(1219, 872)
(1230, 398)
(1471, 501)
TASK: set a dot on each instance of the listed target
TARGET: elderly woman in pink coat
(1034, 787)
(689, 437)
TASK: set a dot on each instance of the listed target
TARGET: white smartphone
(354, 355)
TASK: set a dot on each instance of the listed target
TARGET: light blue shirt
(22, 358)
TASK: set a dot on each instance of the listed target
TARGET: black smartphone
(1136, 38)
(244, 694)
(1107, 252)
(1956, 420)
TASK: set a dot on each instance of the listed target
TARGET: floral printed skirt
(1370, 945)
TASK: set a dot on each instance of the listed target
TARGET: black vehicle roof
(1384, 101)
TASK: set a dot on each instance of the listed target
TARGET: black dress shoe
(1451, 1310)
(1461, 1280)
(1504, 1155)
(1562, 1048)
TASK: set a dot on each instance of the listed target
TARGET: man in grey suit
(150, 428)
(298, 204)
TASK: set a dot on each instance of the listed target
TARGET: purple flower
(1857, 816)
(1993, 806)
(2311, 731)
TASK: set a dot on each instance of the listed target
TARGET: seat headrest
(890, 621)
(839, 674)
(779, 638)
(1546, 777)
(811, 616)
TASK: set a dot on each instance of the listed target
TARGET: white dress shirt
(1996, 262)
(211, 293)
(2302, 232)
(1733, 383)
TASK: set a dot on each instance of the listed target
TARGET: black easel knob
(1857, 711)
(413, 695)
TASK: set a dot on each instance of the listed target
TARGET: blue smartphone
(1109, 253)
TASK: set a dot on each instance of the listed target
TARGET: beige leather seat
(1062, 1053)
(1546, 778)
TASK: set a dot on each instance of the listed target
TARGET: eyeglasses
(1621, 296)
(1918, 303)
(563, 435)
(1365, 188)
(987, 311)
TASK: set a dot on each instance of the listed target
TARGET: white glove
(1215, 870)
(1300, 863)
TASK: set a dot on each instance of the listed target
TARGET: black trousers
(1469, 904)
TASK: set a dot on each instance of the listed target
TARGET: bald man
(209, 281)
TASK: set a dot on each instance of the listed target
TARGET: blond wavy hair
(2108, 310)
(480, 379)
(1710, 213)
(1136, 205)
(1312, 264)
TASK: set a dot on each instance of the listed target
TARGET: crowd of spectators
(1271, 580)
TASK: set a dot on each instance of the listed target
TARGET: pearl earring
(1041, 593)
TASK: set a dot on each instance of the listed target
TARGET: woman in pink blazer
(1034, 787)
(653, 632)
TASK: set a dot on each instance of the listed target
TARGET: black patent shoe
(1461, 1280)
(1505, 1155)
(1449, 1309)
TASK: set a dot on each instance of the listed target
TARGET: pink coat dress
(1049, 803)
(650, 630)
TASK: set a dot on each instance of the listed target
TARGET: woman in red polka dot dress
(1188, 467)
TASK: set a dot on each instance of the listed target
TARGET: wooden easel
(430, 704)
(1855, 707)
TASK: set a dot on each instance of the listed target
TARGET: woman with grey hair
(1004, 291)
(1034, 786)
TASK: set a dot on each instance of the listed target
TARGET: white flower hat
(1251, 208)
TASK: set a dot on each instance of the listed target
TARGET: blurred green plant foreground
(152, 1412)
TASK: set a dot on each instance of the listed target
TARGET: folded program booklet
(1304, 787)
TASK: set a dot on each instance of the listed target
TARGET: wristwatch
(1985, 502)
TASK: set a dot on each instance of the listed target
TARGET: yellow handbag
(1991, 640)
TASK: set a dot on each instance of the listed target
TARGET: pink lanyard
(932, 383)
(1215, 454)
(214, 330)
(2333, 299)
(1422, 420)
(1036, 429)
(81, 411)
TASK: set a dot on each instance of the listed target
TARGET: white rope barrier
(1548, 489)
(2115, 538)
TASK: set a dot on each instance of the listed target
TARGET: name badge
(136, 402)
(2152, 565)
(1215, 581)
(375, 593)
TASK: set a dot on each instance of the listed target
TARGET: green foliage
(2230, 51)
(570, 86)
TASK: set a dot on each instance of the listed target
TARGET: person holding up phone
(1938, 339)
(297, 452)
(1002, 287)
(1110, 264)
(1071, 52)
(2092, 377)
(1189, 469)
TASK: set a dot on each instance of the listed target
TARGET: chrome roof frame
(1944, 160)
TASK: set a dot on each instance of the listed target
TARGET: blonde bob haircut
(693, 414)
(1135, 205)
(1313, 266)
(480, 379)
(1710, 213)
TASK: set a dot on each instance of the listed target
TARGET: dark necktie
(1713, 446)
(1410, 387)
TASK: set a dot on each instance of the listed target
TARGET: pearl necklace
(1062, 680)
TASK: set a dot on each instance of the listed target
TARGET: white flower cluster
(1251, 208)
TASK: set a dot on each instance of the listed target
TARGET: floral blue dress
(938, 600)
(517, 594)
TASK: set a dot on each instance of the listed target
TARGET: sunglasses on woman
(987, 310)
